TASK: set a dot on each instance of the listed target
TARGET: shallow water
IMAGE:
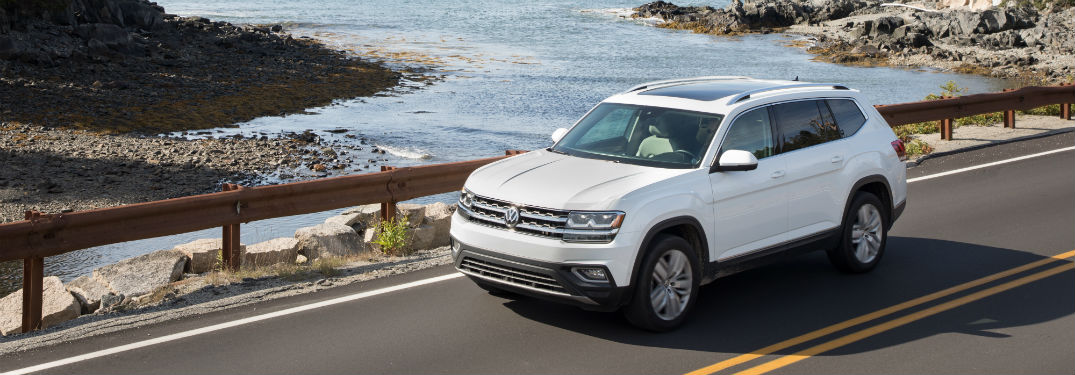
(513, 71)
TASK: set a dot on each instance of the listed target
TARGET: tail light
(901, 151)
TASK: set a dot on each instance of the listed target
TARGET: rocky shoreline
(115, 66)
(1020, 43)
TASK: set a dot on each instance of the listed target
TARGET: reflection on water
(513, 71)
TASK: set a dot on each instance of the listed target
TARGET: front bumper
(545, 280)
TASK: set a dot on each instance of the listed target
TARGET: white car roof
(723, 94)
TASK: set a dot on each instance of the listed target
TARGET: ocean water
(510, 72)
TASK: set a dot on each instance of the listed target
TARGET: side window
(801, 125)
(751, 132)
(613, 125)
(848, 116)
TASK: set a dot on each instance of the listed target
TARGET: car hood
(545, 179)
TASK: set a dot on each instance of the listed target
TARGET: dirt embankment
(1015, 42)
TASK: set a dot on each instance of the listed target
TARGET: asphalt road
(957, 228)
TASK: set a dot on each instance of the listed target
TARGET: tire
(657, 303)
(859, 250)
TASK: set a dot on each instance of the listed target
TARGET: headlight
(583, 226)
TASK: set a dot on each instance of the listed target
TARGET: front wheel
(667, 285)
(863, 237)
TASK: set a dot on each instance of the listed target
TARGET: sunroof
(708, 90)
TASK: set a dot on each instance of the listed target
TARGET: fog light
(591, 273)
(455, 246)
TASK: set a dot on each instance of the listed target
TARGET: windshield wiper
(549, 149)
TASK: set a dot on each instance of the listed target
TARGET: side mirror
(558, 134)
(735, 160)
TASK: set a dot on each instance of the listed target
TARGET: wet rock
(58, 306)
(275, 251)
(329, 240)
(142, 274)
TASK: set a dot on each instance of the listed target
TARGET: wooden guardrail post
(946, 129)
(1009, 115)
(33, 280)
(388, 209)
(1065, 111)
(230, 249)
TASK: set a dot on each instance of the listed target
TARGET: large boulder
(58, 306)
(108, 35)
(329, 239)
(439, 216)
(204, 254)
(142, 274)
(413, 212)
(422, 237)
(89, 292)
(369, 215)
(275, 251)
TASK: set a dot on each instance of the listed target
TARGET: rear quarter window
(849, 117)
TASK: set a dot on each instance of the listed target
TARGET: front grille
(532, 220)
(511, 275)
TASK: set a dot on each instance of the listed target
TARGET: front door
(750, 208)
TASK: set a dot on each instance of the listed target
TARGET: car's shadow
(757, 308)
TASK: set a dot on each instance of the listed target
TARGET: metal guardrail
(1009, 101)
(42, 235)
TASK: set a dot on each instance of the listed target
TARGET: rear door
(808, 141)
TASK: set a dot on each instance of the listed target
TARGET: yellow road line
(836, 343)
(871, 316)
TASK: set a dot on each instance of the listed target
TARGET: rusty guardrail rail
(42, 235)
(1009, 101)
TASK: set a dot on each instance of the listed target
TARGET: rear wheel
(667, 285)
(865, 231)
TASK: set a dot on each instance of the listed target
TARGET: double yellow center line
(867, 332)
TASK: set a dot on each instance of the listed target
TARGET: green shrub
(393, 236)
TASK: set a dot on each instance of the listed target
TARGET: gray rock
(111, 300)
(439, 216)
(58, 306)
(347, 219)
(422, 237)
(142, 274)
(88, 291)
(369, 214)
(329, 239)
(275, 251)
(204, 254)
(414, 213)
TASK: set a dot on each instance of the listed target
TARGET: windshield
(634, 134)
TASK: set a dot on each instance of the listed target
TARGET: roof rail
(746, 94)
(684, 80)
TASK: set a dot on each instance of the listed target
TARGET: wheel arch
(686, 227)
(878, 186)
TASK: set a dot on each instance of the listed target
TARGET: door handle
(837, 159)
(777, 174)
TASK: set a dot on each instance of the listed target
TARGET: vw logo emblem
(511, 216)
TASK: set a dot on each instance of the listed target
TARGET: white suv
(672, 184)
